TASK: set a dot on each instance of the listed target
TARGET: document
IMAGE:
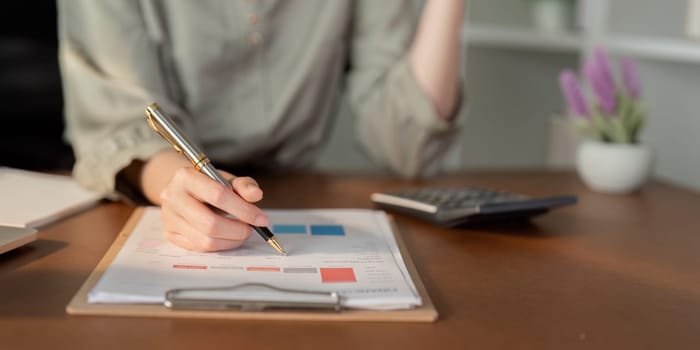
(351, 252)
(32, 199)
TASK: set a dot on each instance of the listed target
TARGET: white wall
(511, 95)
(672, 95)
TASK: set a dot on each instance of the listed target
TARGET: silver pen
(164, 126)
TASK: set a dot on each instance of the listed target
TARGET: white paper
(363, 265)
(31, 199)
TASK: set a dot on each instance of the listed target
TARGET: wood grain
(610, 272)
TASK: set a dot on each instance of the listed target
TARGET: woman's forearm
(435, 53)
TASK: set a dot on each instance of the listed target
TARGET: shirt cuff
(97, 169)
(424, 113)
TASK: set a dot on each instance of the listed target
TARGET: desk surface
(610, 272)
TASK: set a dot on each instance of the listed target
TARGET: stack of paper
(32, 199)
(13, 237)
(351, 252)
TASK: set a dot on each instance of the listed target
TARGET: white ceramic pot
(613, 168)
(551, 15)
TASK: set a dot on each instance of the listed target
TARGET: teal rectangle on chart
(327, 230)
(293, 229)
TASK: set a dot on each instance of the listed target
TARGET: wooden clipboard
(80, 306)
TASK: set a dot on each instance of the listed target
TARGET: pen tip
(278, 247)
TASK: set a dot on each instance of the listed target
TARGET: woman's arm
(403, 82)
(112, 70)
(435, 53)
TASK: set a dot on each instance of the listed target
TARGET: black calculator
(450, 206)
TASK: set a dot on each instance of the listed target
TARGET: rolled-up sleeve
(397, 123)
(111, 70)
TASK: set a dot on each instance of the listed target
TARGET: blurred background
(30, 88)
(513, 53)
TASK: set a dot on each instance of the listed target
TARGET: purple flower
(572, 92)
(602, 64)
(603, 88)
(630, 78)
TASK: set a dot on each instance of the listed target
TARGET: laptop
(14, 237)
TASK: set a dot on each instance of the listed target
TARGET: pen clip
(153, 123)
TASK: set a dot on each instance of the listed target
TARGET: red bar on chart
(337, 274)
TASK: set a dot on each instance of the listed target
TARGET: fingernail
(260, 220)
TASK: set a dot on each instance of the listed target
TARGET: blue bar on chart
(291, 229)
(327, 230)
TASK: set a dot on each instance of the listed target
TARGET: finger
(187, 236)
(247, 188)
(203, 221)
(171, 224)
(228, 176)
(209, 191)
(206, 245)
(179, 240)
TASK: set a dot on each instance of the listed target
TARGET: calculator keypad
(451, 198)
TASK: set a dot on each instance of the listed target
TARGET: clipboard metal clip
(250, 297)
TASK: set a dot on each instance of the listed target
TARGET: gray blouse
(250, 81)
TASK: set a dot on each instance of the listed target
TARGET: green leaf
(618, 132)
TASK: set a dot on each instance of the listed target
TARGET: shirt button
(254, 38)
(253, 19)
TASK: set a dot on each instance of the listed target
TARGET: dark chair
(31, 102)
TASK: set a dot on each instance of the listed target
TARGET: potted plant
(611, 157)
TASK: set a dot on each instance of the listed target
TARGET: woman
(254, 83)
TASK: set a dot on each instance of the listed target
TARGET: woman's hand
(187, 196)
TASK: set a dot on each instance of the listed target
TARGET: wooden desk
(610, 272)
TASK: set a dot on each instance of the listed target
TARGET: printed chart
(350, 252)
